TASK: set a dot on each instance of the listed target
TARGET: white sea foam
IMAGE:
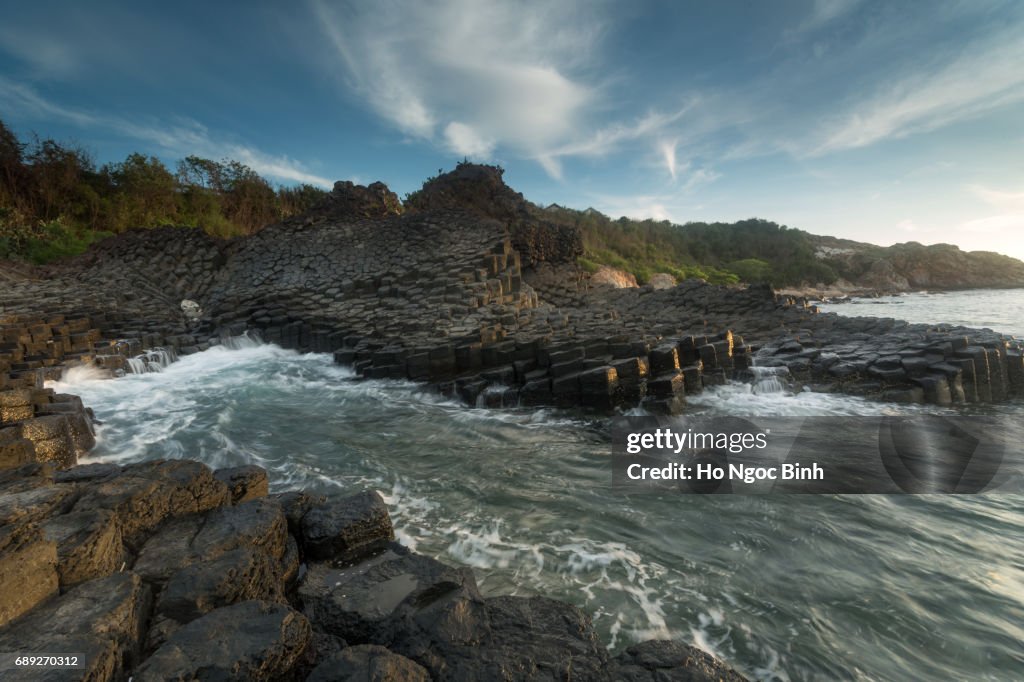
(523, 497)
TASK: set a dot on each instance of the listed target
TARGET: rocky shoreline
(168, 570)
(466, 289)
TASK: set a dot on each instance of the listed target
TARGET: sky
(877, 121)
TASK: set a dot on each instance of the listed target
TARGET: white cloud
(997, 197)
(477, 76)
(985, 77)
(469, 75)
(1011, 222)
(612, 137)
(637, 207)
(668, 154)
(180, 138)
(701, 176)
(822, 13)
(463, 139)
(1008, 225)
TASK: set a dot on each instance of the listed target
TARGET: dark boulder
(368, 662)
(101, 621)
(251, 641)
(244, 482)
(367, 602)
(259, 524)
(670, 661)
(88, 545)
(295, 504)
(346, 528)
(239, 575)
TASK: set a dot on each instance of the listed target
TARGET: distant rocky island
(465, 287)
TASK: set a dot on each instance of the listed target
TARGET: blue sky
(878, 121)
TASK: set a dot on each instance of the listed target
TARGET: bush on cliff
(55, 201)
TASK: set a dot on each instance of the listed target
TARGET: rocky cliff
(913, 267)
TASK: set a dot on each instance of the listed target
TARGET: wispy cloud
(998, 197)
(469, 75)
(984, 78)
(611, 137)
(482, 77)
(890, 73)
(675, 206)
(668, 154)
(180, 138)
(822, 13)
(638, 207)
(1008, 222)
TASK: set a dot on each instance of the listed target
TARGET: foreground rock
(167, 570)
(251, 640)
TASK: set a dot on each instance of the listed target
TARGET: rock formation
(913, 267)
(167, 570)
(470, 287)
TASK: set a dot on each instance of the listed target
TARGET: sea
(782, 587)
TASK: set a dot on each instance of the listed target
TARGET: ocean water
(782, 587)
(999, 309)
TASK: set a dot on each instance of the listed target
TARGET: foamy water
(784, 588)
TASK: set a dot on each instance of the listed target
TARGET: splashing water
(783, 587)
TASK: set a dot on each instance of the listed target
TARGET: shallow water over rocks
(783, 587)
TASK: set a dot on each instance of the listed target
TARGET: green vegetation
(55, 201)
(751, 250)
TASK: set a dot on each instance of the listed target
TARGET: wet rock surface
(168, 570)
(290, 587)
(468, 287)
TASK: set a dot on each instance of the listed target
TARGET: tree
(144, 193)
(55, 173)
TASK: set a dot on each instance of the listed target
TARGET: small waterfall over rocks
(770, 379)
(152, 360)
(496, 396)
(247, 339)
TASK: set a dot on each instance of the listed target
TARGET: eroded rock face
(102, 620)
(665, 661)
(189, 539)
(368, 662)
(208, 587)
(28, 570)
(253, 640)
(662, 280)
(612, 277)
(244, 482)
(481, 190)
(89, 545)
(144, 495)
(349, 201)
(347, 528)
